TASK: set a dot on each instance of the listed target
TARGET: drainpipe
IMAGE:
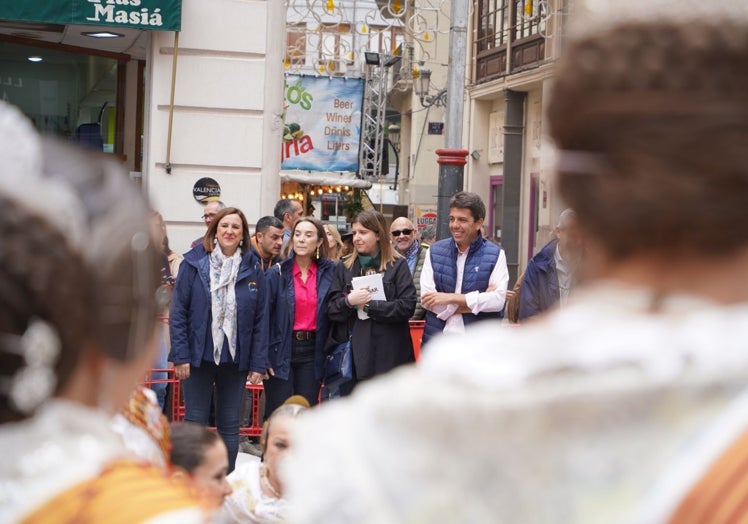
(513, 150)
(171, 101)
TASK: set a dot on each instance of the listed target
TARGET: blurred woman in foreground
(78, 276)
(630, 404)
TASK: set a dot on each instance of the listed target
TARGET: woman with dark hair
(201, 454)
(78, 330)
(297, 308)
(218, 324)
(382, 341)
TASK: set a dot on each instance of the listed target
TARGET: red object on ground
(416, 333)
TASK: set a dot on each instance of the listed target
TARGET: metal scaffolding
(373, 118)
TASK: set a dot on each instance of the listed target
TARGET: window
(493, 21)
(295, 44)
(508, 36)
(335, 47)
(385, 40)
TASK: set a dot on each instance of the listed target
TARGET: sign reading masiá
(163, 15)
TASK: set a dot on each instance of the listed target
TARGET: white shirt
(477, 301)
(563, 274)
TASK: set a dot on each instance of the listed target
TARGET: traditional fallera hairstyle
(649, 110)
(210, 234)
(292, 407)
(374, 221)
(85, 273)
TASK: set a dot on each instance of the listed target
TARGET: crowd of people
(621, 398)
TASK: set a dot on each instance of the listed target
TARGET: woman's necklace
(265, 481)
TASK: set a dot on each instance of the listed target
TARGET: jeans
(301, 379)
(229, 389)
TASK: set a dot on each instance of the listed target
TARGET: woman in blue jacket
(297, 291)
(218, 324)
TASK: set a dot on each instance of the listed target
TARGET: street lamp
(393, 139)
(422, 86)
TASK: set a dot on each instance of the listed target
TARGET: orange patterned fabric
(124, 493)
(721, 495)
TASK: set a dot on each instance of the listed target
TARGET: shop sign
(425, 216)
(163, 15)
(322, 123)
(206, 190)
(436, 128)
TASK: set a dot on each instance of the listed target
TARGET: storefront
(75, 67)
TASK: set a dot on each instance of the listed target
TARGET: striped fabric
(721, 495)
(124, 493)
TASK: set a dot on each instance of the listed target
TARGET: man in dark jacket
(464, 278)
(268, 241)
(550, 273)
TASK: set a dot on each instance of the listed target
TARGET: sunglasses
(397, 232)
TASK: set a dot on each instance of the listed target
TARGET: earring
(241, 243)
(215, 241)
(317, 251)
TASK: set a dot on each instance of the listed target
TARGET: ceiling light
(35, 59)
(102, 34)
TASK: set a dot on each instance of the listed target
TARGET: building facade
(106, 77)
(513, 47)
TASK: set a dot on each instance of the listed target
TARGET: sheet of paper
(376, 288)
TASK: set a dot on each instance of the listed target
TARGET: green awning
(156, 15)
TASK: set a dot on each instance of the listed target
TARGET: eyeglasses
(397, 232)
(207, 216)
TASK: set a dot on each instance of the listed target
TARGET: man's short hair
(266, 223)
(221, 205)
(283, 206)
(471, 201)
(566, 215)
(429, 232)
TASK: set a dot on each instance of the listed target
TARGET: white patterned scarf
(223, 272)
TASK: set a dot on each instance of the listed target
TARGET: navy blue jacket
(481, 259)
(539, 290)
(281, 309)
(190, 317)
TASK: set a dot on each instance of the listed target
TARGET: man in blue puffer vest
(464, 278)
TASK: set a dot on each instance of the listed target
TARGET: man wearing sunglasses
(404, 239)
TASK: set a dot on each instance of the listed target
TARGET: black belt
(304, 335)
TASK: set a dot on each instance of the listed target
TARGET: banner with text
(322, 123)
(425, 216)
(160, 15)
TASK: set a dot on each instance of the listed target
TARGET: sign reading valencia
(158, 15)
